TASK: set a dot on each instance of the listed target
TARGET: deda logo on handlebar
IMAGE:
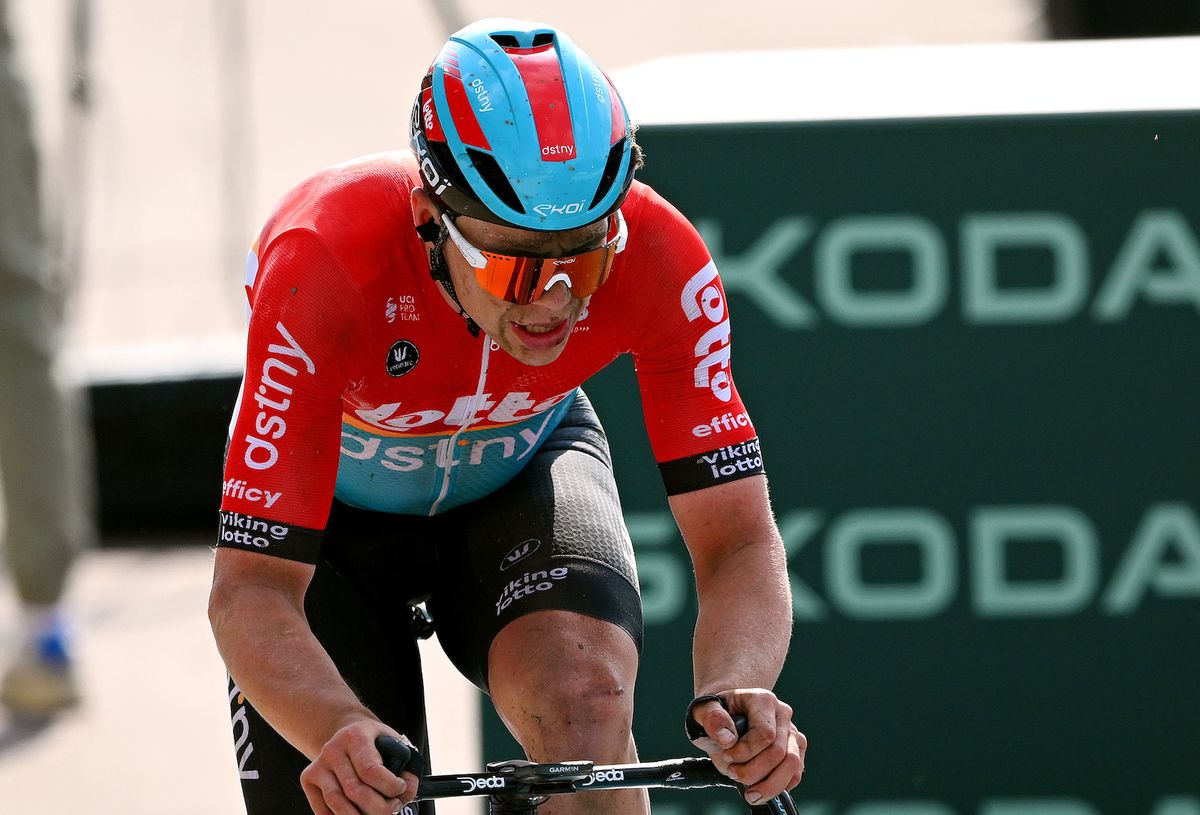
(488, 782)
(603, 775)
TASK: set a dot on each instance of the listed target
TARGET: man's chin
(539, 357)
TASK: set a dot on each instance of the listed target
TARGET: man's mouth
(542, 335)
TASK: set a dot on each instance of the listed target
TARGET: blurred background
(967, 246)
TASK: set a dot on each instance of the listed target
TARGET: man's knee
(565, 680)
(589, 687)
(584, 711)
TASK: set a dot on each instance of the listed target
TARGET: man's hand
(769, 758)
(348, 776)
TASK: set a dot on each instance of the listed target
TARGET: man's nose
(556, 297)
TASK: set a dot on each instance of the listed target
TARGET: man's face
(535, 333)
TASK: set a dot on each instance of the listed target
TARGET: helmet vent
(506, 41)
(611, 166)
(443, 160)
(544, 38)
(494, 177)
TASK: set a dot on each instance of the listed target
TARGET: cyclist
(411, 428)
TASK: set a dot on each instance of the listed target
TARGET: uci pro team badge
(402, 358)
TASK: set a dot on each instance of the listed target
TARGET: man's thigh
(552, 539)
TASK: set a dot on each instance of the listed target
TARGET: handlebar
(525, 781)
(527, 778)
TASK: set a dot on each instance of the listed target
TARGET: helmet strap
(440, 271)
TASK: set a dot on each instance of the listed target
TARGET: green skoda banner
(971, 348)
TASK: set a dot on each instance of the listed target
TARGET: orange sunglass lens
(507, 277)
(585, 272)
(522, 280)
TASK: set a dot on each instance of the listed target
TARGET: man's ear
(423, 210)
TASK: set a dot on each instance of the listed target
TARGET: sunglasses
(520, 279)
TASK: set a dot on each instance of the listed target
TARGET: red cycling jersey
(362, 381)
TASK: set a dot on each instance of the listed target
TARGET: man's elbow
(218, 606)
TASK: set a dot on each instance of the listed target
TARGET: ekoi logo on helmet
(546, 210)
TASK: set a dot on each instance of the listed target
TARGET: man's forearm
(278, 663)
(745, 619)
(744, 624)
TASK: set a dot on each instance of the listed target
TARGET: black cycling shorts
(552, 538)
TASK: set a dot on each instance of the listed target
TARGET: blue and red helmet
(516, 125)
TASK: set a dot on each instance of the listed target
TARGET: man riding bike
(411, 429)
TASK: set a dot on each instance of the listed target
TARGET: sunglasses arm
(472, 255)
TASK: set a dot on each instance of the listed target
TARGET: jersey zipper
(452, 442)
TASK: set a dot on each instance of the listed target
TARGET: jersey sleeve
(699, 429)
(282, 456)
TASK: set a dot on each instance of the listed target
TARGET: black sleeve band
(718, 466)
(238, 531)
